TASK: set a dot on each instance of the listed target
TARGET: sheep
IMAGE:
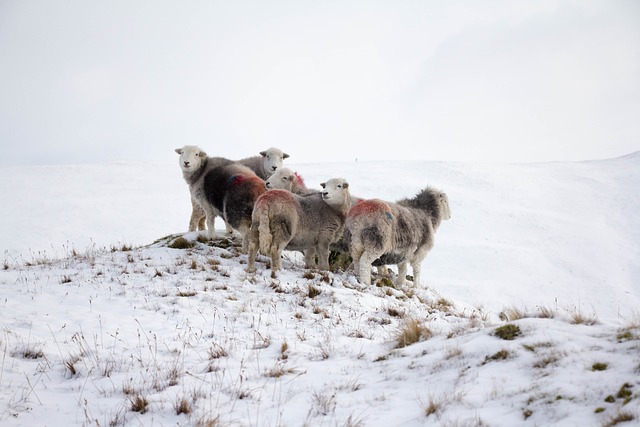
(233, 189)
(395, 233)
(286, 179)
(220, 187)
(263, 166)
(194, 164)
(266, 163)
(308, 223)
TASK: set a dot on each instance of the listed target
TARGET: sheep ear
(345, 185)
(285, 156)
(263, 153)
(179, 150)
(203, 154)
(322, 184)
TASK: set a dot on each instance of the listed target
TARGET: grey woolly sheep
(263, 165)
(309, 223)
(395, 233)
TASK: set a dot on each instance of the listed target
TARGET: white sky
(88, 81)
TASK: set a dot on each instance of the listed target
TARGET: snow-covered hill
(100, 314)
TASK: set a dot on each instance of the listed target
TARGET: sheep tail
(264, 231)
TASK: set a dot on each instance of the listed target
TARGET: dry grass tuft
(139, 404)
(577, 318)
(182, 406)
(181, 243)
(411, 332)
(314, 291)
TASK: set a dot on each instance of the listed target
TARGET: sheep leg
(323, 256)
(252, 250)
(276, 256)
(211, 225)
(198, 216)
(228, 227)
(202, 223)
(310, 258)
(194, 220)
(416, 267)
(402, 274)
(365, 262)
(356, 254)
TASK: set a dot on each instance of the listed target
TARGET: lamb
(263, 165)
(221, 187)
(395, 233)
(286, 179)
(308, 223)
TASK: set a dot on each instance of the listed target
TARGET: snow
(97, 311)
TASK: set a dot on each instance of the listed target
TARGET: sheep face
(273, 158)
(191, 157)
(443, 200)
(335, 191)
(282, 179)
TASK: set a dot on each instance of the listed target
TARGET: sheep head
(282, 178)
(191, 157)
(335, 191)
(273, 158)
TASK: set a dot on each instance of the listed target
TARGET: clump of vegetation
(183, 406)
(139, 404)
(181, 243)
(620, 417)
(187, 293)
(411, 332)
(547, 359)
(624, 392)
(384, 281)
(508, 332)
(29, 352)
(599, 366)
(394, 312)
(339, 260)
(626, 334)
(578, 318)
(500, 355)
(314, 291)
(308, 275)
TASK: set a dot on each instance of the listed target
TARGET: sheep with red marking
(221, 187)
(308, 223)
(263, 165)
(286, 179)
(395, 233)
(232, 189)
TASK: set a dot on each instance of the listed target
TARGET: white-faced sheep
(286, 179)
(263, 165)
(266, 163)
(395, 233)
(221, 187)
(308, 223)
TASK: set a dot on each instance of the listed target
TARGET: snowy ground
(104, 324)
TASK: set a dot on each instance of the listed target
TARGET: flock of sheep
(273, 210)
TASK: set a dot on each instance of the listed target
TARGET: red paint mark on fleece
(247, 184)
(299, 179)
(274, 196)
(364, 207)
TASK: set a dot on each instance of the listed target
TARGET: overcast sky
(515, 81)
